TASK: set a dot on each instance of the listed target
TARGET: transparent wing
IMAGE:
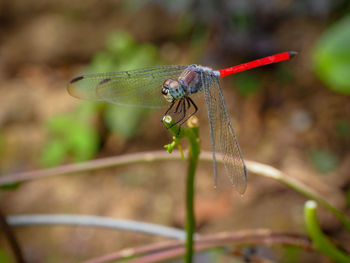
(221, 131)
(141, 88)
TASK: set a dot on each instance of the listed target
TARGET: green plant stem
(268, 171)
(190, 220)
(192, 135)
(193, 156)
(321, 242)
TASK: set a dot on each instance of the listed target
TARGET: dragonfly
(175, 85)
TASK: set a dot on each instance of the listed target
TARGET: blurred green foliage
(343, 129)
(187, 29)
(324, 161)
(3, 257)
(199, 38)
(184, 26)
(284, 73)
(246, 83)
(123, 53)
(70, 135)
(348, 198)
(12, 186)
(73, 134)
(243, 19)
(331, 57)
(291, 254)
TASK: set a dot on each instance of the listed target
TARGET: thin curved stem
(93, 165)
(174, 249)
(269, 171)
(146, 157)
(96, 221)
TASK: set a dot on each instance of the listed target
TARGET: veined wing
(141, 87)
(221, 131)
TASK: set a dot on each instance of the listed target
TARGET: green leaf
(70, 135)
(331, 57)
(124, 120)
(120, 41)
(324, 161)
(53, 153)
(83, 143)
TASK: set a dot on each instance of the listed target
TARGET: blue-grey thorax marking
(178, 92)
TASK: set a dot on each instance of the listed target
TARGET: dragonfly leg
(171, 105)
(194, 105)
(189, 101)
(178, 108)
(183, 110)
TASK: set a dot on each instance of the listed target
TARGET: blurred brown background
(284, 115)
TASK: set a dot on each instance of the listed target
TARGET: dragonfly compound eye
(165, 90)
(167, 85)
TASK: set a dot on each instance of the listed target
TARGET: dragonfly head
(172, 90)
